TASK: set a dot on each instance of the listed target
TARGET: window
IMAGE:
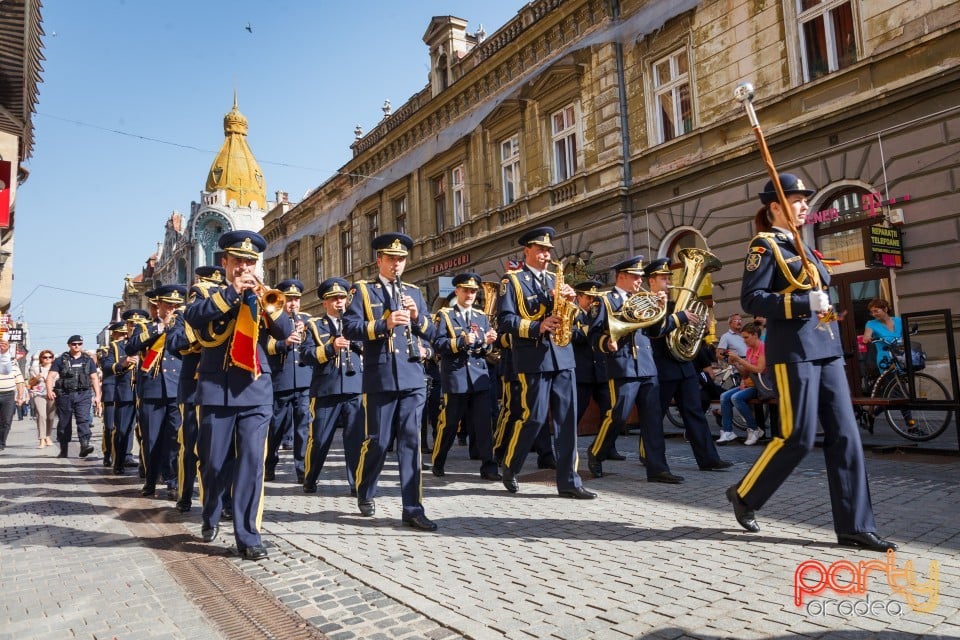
(272, 275)
(510, 168)
(346, 251)
(827, 37)
(373, 225)
(318, 260)
(671, 87)
(295, 268)
(440, 200)
(459, 203)
(564, 128)
(400, 214)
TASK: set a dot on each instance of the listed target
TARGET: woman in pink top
(755, 362)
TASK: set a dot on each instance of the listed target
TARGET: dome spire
(235, 170)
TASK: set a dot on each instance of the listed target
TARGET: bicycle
(893, 383)
(726, 377)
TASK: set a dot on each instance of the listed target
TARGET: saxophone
(684, 341)
(563, 309)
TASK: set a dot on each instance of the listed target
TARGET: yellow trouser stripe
(786, 428)
(307, 456)
(358, 476)
(504, 417)
(441, 427)
(262, 483)
(607, 420)
(524, 416)
(181, 469)
(199, 475)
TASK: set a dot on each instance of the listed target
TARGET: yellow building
(615, 123)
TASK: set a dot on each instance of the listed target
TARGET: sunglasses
(46, 357)
(76, 344)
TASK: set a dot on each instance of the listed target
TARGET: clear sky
(130, 118)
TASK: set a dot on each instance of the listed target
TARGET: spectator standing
(12, 389)
(44, 409)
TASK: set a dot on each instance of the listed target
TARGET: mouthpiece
(743, 92)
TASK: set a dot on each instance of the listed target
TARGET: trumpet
(270, 300)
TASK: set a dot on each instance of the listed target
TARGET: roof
(20, 58)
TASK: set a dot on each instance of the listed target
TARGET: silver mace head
(743, 92)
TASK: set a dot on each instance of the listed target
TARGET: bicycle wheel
(673, 415)
(919, 425)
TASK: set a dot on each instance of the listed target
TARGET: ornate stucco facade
(615, 123)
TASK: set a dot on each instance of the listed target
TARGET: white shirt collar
(622, 292)
(785, 232)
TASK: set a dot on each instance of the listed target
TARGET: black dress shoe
(421, 522)
(666, 478)
(719, 465)
(616, 455)
(368, 508)
(425, 466)
(118, 471)
(256, 552)
(209, 535)
(269, 475)
(130, 463)
(577, 492)
(85, 449)
(493, 476)
(310, 487)
(148, 490)
(744, 514)
(594, 466)
(438, 470)
(299, 477)
(866, 540)
(226, 514)
(510, 481)
(107, 462)
(183, 506)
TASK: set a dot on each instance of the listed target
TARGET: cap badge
(396, 245)
(800, 185)
(247, 244)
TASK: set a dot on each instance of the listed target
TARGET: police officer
(336, 387)
(545, 370)
(633, 378)
(291, 386)
(108, 390)
(184, 343)
(463, 338)
(679, 379)
(803, 347)
(391, 319)
(157, 382)
(73, 382)
(234, 389)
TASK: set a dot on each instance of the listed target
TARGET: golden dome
(235, 170)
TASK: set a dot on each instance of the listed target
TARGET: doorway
(850, 294)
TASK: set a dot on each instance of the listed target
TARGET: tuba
(640, 310)
(563, 309)
(684, 341)
(490, 290)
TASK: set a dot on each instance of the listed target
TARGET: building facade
(615, 123)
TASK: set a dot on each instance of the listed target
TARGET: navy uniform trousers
(73, 405)
(291, 413)
(328, 412)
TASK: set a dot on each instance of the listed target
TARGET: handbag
(766, 388)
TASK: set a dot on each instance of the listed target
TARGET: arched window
(838, 225)
(182, 271)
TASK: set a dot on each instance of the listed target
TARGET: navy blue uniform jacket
(522, 305)
(463, 367)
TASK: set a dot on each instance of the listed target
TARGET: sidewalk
(83, 555)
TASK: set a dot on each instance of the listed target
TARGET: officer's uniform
(184, 343)
(74, 397)
(394, 390)
(291, 393)
(807, 360)
(679, 381)
(157, 382)
(545, 372)
(465, 381)
(107, 388)
(235, 397)
(591, 371)
(335, 391)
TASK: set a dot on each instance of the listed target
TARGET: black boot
(63, 450)
(85, 447)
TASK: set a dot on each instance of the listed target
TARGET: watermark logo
(846, 578)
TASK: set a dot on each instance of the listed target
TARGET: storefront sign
(885, 246)
(451, 263)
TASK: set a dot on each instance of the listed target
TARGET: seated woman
(755, 362)
(884, 327)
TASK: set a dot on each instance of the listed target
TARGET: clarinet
(345, 360)
(413, 353)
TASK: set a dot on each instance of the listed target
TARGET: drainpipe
(625, 135)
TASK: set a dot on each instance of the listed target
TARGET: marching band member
(336, 387)
(591, 366)
(463, 339)
(234, 390)
(291, 386)
(803, 346)
(108, 391)
(157, 382)
(545, 370)
(633, 380)
(390, 319)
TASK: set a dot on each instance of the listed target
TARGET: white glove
(819, 302)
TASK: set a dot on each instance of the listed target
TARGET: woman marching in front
(803, 347)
